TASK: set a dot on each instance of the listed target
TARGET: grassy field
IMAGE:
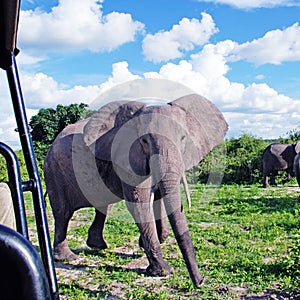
(246, 240)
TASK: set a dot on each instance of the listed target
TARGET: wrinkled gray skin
(297, 169)
(131, 151)
(279, 157)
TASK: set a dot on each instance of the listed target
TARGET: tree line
(235, 160)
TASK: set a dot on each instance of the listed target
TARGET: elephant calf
(132, 151)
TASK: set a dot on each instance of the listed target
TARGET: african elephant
(297, 167)
(132, 151)
(278, 157)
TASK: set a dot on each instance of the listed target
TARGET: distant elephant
(297, 168)
(132, 151)
(279, 157)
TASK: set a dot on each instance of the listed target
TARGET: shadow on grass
(263, 205)
(78, 291)
(83, 262)
(104, 252)
(107, 268)
(272, 294)
(128, 255)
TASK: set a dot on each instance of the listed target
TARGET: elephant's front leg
(290, 175)
(265, 181)
(141, 207)
(161, 220)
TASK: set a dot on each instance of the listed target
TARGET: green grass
(246, 241)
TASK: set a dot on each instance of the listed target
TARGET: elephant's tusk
(151, 196)
(186, 190)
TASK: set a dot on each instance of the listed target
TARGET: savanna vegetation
(49, 122)
(246, 238)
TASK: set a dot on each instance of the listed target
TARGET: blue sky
(243, 55)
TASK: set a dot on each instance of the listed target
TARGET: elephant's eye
(144, 141)
(183, 138)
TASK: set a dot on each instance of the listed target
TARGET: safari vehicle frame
(24, 273)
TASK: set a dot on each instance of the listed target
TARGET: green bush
(49, 122)
(22, 165)
(244, 159)
(237, 160)
(45, 126)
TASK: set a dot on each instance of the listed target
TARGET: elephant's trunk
(167, 170)
(179, 225)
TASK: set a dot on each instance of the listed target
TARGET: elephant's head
(135, 136)
(296, 147)
(151, 146)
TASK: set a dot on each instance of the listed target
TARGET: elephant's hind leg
(61, 250)
(272, 178)
(95, 237)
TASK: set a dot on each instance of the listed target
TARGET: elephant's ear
(104, 124)
(205, 124)
(297, 147)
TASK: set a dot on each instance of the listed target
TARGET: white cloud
(212, 60)
(184, 36)
(7, 118)
(270, 126)
(41, 90)
(120, 74)
(260, 77)
(229, 96)
(254, 108)
(274, 47)
(8, 125)
(249, 4)
(27, 59)
(263, 99)
(76, 25)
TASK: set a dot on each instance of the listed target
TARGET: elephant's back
(278, 149)
(274, 150)
(60, 152)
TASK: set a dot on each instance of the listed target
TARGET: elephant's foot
(96, 242)
(162, 269)
(198, 281)
(62, 252)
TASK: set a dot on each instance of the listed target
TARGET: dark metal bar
(37, 191)
(16, 189)
(28, 186)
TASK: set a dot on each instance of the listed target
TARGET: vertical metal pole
(15, 184)
(37, 192)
